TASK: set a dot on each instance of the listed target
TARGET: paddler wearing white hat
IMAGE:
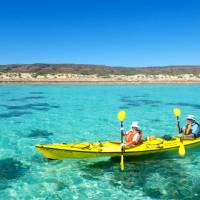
(133, 136)
(191, 129)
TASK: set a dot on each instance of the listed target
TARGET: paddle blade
(122, 163)
(181, 150)
(121, 116)
(177, 112)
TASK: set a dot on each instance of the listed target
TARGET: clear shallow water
(31, 114)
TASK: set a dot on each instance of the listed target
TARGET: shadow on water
(36, 92)
(124, 107)
(79, 109)
(128, 102)
(27, 98)
(5, 93)
(157, 178)
(54, 106)
(154, 105)
(36, 133)
(142, 95)
(156, 120)
(41, 108)
(38, 159)
(10, 170)
(31, 106)
(14, 114)
(196, 106)
(26, 106)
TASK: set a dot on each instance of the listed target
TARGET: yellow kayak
(111, 149)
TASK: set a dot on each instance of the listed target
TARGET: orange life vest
(130, 135)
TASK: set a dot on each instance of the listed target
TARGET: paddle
(177, 113)
(121, 117)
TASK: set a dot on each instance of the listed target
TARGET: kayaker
(133, 136)
(191, 130)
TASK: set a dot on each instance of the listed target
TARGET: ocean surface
(32, 114)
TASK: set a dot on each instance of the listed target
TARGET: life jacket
(130, 135)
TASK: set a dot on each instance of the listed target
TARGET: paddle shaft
(178, 124)
(122, 132)
(121, 117)
(181, 149)
(122, 149)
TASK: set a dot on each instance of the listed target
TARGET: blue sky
(110, 32)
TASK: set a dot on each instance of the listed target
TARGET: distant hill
(101, 70)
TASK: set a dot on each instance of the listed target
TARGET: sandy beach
(73, 78)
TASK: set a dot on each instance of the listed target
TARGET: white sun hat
(192, 117)
(135, 125)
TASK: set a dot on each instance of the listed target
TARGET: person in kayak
(191, 130)
(133, 136)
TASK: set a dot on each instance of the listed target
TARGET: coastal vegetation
(97, 73)
(99, 70)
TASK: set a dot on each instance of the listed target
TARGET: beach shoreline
(94, 82)
(61, 78)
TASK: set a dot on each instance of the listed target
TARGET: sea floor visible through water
(32, 114)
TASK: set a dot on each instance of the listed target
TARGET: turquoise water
(31, 114)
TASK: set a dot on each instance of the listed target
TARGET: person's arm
(180, 130)
(188, 129)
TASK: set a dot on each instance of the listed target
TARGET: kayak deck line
(111, 152)
(95, 151)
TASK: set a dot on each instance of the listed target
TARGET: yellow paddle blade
(121, 116)
(177, 112)
(181, 150)
(122, 163)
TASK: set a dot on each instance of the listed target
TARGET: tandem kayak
(111, 149)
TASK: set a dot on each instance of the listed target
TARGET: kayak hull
(111, 149)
